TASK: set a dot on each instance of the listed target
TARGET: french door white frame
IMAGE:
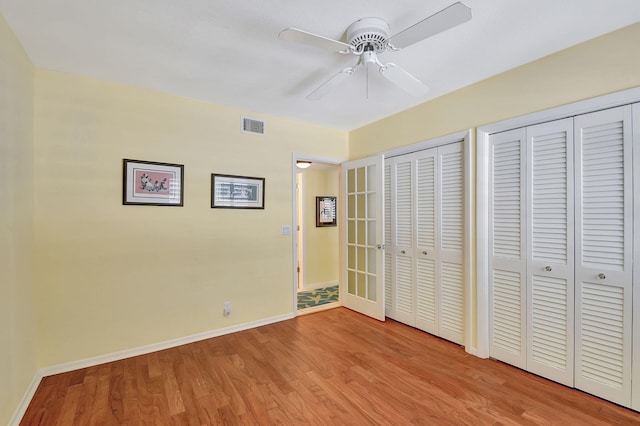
(482, 205)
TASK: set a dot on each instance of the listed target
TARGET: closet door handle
(601, 276)
(547, 268)
(403, 252)
(424, 252)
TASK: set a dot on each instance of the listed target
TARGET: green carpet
(318, 296)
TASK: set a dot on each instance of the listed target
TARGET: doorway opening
(316, 256)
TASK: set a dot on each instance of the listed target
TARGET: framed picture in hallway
(237, 192)
(326, 211)
(151, 183)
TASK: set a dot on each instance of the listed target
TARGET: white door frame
(294, 216)
(298, 229)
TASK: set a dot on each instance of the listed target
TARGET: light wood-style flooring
(328, 368)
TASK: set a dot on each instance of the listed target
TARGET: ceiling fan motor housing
(368, 32)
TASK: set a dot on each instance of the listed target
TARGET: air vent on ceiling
(250, 125)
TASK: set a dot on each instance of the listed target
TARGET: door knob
(601, 276)
(424, 252)
(402, 252)
(547, 268)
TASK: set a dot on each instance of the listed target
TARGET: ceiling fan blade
(301, 36)
(448, 17)
(403, 80)
(330, 84)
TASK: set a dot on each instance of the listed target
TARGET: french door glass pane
(361, 232)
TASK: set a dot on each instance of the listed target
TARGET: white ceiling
(228, 51)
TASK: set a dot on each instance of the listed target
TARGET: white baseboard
(26, 399)
(128, 353)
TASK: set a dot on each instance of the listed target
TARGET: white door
(363, 218)
(507, 242)
(389, 299)
(450, 238)
(603, 272)
(401, 245)
(550, 255)
(426, 240)
(426, 234)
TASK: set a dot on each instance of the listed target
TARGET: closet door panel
(603, 254)
(451, 199)
(550, 299)
(403, 247)
(507, 262)
(426, 213)
(427, 294)
(389, 298)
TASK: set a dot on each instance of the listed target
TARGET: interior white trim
(294, 214)
(431, 143)
(611, 100)
(128, 353)
(469, 240)
(26, 399)
(635, 361)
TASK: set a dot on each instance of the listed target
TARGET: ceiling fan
(369, 36)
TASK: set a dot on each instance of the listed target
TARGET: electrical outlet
(226, 308)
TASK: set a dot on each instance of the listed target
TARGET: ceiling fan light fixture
(369, 36)
(303, 164)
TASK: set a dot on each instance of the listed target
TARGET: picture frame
(150, 183)
(237, 192)
(326, 211)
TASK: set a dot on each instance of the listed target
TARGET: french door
(363, 220)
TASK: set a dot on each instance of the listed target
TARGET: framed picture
(237, 192)
(326, 211)
(149, 183)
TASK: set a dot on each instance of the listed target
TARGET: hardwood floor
(331, 367)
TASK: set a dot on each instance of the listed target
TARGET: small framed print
(149, 183)
(237, 192)
(326, 211)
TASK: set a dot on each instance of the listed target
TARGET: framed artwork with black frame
(237, 192)
(149, 183)
(326, 211)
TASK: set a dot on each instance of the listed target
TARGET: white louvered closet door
(402, 237)
(451, 242)
(550, 255)
(389, 298)
(426, 255)
(507, 261)
(603, 254)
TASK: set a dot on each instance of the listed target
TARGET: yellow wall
(321, 244)
(18, 343)
(603, 65)
(113, 277)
